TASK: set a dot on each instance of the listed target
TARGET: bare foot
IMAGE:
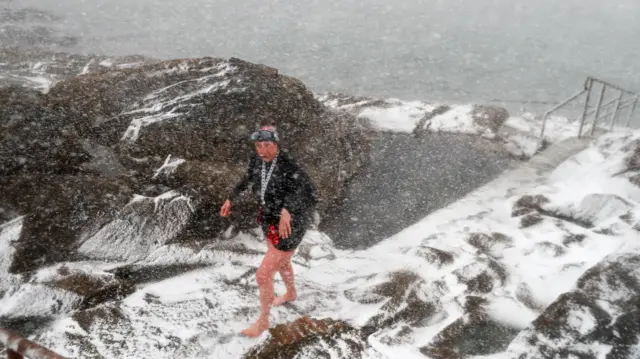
(283, 299)
(257, 328)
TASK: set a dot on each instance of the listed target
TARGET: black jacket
(289, 187)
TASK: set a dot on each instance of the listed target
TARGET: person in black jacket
(287, 197)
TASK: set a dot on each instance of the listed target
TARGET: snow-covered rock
(396, 115)
(41, 69)
(598, 318)
(143, 225)
(201, 112)
(467, 281)
(519, 134)
(57, 212)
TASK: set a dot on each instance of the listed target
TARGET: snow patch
(37, 300)
(582, 320)
(395, 115)
(174, 100)
(9, 233)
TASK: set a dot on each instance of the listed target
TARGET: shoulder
(288, 161)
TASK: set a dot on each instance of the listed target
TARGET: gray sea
(530, 54)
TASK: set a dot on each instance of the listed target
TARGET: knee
(263, 275)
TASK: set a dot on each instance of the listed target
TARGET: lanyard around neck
(265, 178)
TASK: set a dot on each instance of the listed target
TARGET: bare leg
(286, 272)
(264, 276)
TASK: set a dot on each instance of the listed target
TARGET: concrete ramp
(408, 178)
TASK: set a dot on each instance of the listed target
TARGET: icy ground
(197, 313)
(480, 246)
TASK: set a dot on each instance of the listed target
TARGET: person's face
(267, 150)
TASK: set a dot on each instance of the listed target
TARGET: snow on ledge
(165, 104)
(144, 225)
(9, 233)
(169, 166)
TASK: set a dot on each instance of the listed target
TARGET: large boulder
(141, 226)
(202, 111)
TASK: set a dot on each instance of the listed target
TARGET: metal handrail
(557, 107)
(20, 348)
(619, 103)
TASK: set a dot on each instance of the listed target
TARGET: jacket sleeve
(244, 181)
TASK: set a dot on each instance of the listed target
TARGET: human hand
(285, 224)
(226, 208)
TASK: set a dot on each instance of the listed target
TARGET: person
(286, 197)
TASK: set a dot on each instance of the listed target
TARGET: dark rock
(24, 64)
(529, 202)
(491, 244)
(473, 334)
(139, 273)
(521, 212)
(482, 276)
(491, 117)
(203, 110)
(593, 209)
(141, 226)
(58, 210)
(34, 138)
(524, 294)
(573, 238)
(632, 158)
(110, 314)
(311, 338)
(551, 247)
(94, 290)
(616, 276)
(553, 322)
(530, 220)
(24, 326)
(207, 183)
(403, 294)
(435, 256)
(400, 337)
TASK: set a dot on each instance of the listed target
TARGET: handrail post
(595, 119)
(614, 118)
(18, 347)
(633, 108)
(586, 105)
(616, 106)
(546, 114)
